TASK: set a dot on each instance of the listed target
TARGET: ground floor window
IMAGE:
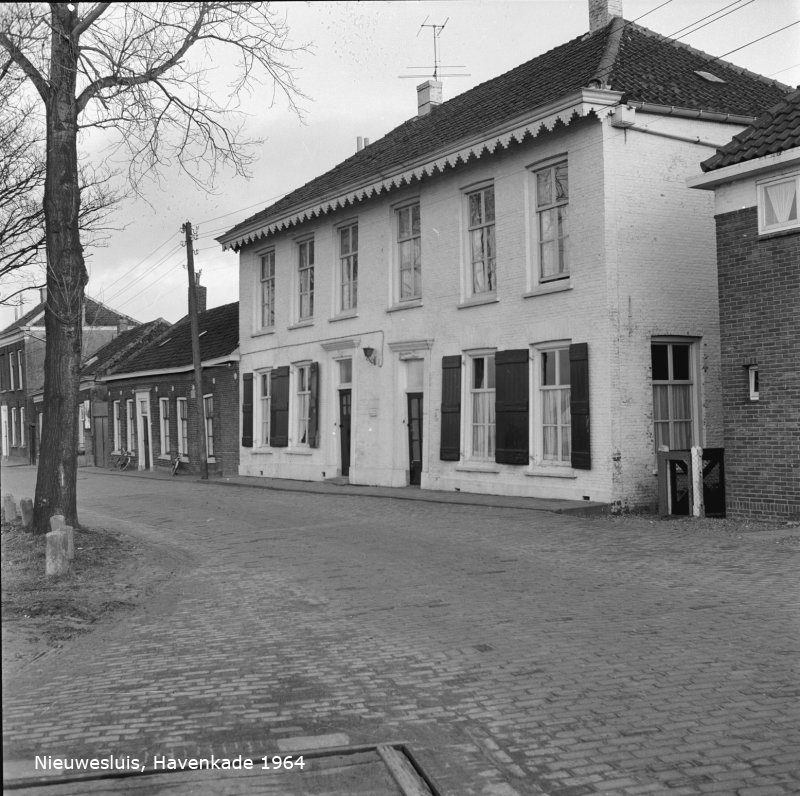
(208, 413)
(163, 413)
(302, 395)
(482, 406)
(673, 395)
(183, 427)
(23, 430)
(130, 418)
(116, 427)
(555, 402)
(264, 399)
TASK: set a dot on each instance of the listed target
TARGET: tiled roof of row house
(774, 131)
(97, 314)
(622, 56)
(124, 345)
(219, 337)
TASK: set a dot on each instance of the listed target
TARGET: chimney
(43, 295)
(122, 325)
(601, 12)
(429, 95)
(361, 142)
(200, 292)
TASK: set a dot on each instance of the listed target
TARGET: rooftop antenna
(437, 31)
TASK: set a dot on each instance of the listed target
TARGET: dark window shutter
(579, 405)
(450, 443)
(247, 410)
(279, 408)
(511, 406)
(313, 406)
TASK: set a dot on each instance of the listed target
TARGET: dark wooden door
(100, 437)
(345, 411)
(415, 437)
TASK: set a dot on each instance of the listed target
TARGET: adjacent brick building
(513, 292)
(756, 181)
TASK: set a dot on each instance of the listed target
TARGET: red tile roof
(97, 314)
(774, 131)
(125, 344)
(623, 57)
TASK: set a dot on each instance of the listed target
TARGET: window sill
(343, 316)
(543, 288)
(299, 451)
(777, 233)
(262, 451)
(478, 467)
(263, 332)
(405, 305)
(164, 457)
(302, 324)
(477, 301)
(551, 472)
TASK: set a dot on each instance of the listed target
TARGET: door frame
(139, 396)
(415, 396)
(349, 391)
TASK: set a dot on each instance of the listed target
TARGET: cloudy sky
(353, 78)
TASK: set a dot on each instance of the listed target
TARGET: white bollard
(9, 509)
(26, 510)
(697, 482)
(57, 562)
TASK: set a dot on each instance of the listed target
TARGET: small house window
(777, 204)
(268, 290)
(752, 373)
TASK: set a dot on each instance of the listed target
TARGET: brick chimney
(601, 12)
(429, 95)
(200, 292)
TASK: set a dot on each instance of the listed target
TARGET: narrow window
(264, 401)
(481, 241)
(19, 368)
(348, 267)
(163, 405)
(482, 395)
(552, 196)
(302, 403)
(409, 252)
(777, 204)
(130, 417)
(116, 429)
(752, 374)
(14, 442)
(306, 280)
(183, 427)
(208, 414)
(11, 356)
(22, 429)
(673, 395)
(268, 290)
(555, 399)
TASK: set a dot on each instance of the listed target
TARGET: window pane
(659, 357)
(548, 368)
(490, 371)
(680, 362)
(488, 198)
(563, 366)
(550, 407)
(544, 189)
(681, 402)
(415, 220)
(403, 223)
(475, 216)
(478, 373)
(661, 402)
(562, 188)
(781, 202)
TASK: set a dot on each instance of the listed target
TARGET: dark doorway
(146, 457)
(415, 437)
(100, 433)
(680, 479)
(345, 411)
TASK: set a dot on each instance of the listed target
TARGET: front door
(415, 437)
(100, 432)
(143, 417)
(345, 411)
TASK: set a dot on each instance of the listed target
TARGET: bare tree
(138, 70)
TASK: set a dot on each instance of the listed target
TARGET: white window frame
(693, 383)
(266, 295)
(300, 403)
(305, 280)
(182, 425)
(115, 418)
(752, 380)
(542, 209)
(762, 187)
(11, 355)
(130, 412)
(264, 406)
(14, 423)
(19, 367)
(163, 422)
(562, 426)
(412, 241)
(488, 258)
(347, 268)
(486, 451)
(81, 426)
(208, 424)
(22, 434)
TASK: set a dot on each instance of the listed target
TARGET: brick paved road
(515, 651)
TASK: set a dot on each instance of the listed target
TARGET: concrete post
(57, 561)
(697, 482)
(57, 522)
(9, 508)
(26, 509)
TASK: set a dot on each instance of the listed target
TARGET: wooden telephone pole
(199, 407)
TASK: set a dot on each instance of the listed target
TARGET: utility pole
(196, 361)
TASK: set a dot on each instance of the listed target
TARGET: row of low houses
(519, 291)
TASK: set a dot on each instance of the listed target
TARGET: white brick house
(512, 293)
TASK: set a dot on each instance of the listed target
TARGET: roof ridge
(707, 56)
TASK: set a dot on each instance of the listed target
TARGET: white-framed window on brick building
(304, 409)
(481, 405)
(208, 417)
(117, 436)
(23, 432)
(302, 403)
(347, 268)
(182, 412)
(552, 235)
(777, 204)
(752, 378)
(305, 280)
(12, 355)
(554, 400)
(130, 414)
(267, 280)
(673, 394)
(264, 406)
(409, 253)
(14, 425)
(19, 369)
(482, 276)
(163, 421)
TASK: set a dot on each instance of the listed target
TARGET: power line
(761, 38)
(141, 262)
(646, 13)
(713, 13)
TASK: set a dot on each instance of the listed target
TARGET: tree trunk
(56, 485)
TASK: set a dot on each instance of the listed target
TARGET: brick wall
(759, 289)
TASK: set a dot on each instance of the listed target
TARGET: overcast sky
(352, 80)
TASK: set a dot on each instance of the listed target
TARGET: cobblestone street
(516, 651)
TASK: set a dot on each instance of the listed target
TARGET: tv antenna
(437, 31)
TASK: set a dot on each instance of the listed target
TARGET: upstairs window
(552, 197)
(777, 204)
(268, 290)
(305, 284)
(348, 267)
(481, 241)
(409, 253)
